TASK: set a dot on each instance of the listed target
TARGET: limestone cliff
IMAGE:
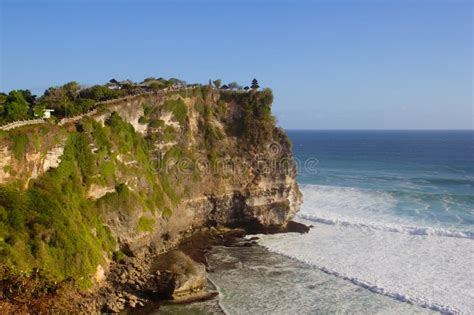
(139, 175)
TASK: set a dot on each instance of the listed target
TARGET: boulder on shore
(188, 277)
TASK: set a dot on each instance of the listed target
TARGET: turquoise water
(429, 175)
(393, 213)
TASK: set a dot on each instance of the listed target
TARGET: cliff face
(139, 175)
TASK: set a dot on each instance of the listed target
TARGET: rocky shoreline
(141, 284)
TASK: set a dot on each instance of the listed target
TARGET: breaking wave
(413, 230)
(407, 246)
(420, 301)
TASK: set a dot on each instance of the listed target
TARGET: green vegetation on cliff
(178, 109)
(256, 123)
(15, 105)
(54, 222)
(52, 225)
(73, 99)
(145, 224)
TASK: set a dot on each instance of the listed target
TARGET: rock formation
(150, 170)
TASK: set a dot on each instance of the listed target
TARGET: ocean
(393, 213)
(392, 216)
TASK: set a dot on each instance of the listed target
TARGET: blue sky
(377, 64)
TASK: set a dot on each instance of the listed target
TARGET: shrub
(148, 110)
(101, 93)
(157, 123)
(178, 108)
(157, 85)
(79, 146)
(20, 143)
(166, 213)
(217, 83)
(145, 224)
(142, 120)
(122, 133)
(101, 137)
(118, 256)
(169, 134)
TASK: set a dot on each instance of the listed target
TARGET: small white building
(113, 86)
(47, 113)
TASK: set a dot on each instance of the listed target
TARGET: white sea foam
(219, 300)
(413, 230)
(252, 281)
(370, 210)
(357, 237)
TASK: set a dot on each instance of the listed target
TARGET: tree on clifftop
(29, 98)
(16, 107)
(217, 83)
(254, 85)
